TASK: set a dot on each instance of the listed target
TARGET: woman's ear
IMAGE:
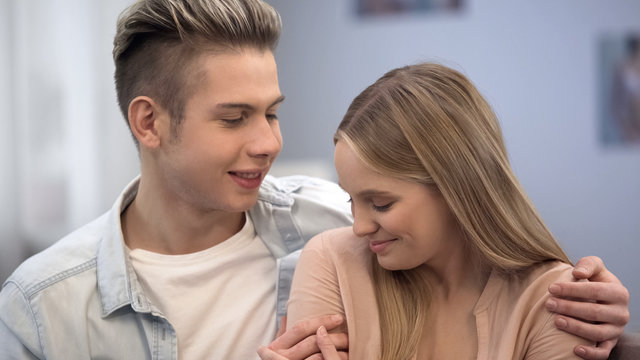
(146, 121)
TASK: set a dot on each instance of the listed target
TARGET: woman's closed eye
(381, 208)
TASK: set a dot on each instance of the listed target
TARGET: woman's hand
(596, 310)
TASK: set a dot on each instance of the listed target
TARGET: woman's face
(407, 224)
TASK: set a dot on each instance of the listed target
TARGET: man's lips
(246, 175)
(247, 179)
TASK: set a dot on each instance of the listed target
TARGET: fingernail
(336, 318)
(322, 331)
(583, 270)
(554, 289)
(581, 351)
(551, 305)
(561, 323)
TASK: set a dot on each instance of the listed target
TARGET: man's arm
(596, 310)
(18, 331)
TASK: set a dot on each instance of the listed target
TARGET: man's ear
(146, 121)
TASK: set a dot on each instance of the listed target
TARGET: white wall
(65, 149)
(536, 62)
(10, 247)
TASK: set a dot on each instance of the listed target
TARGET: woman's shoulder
(546, 273)
(529, 285)
(513, 309)
(340, 244)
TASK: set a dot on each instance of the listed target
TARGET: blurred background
(559, 74)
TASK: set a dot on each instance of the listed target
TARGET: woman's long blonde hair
(429, 124)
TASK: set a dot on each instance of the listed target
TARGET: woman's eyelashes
(382, 208)
(375, 205)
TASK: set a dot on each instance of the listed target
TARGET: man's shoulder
(299, 185)
(75, 253)
(290, 210)
(305, 193)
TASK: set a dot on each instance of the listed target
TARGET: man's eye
(272, 117)
(231, 122)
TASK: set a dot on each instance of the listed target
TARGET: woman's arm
(552, 344)
(314, 302)
(315, 290)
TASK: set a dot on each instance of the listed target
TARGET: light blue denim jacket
(80, 298)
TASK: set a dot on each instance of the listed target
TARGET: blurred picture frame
(619, 89)
(387, 7)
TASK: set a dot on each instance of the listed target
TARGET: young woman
(447, 257)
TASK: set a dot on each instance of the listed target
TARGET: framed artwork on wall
(619, 89)
(383, 7)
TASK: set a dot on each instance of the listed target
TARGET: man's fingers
(340, 340)
(283, 326)
(327, 348)
(267, 354)
(600, 352)
(610, 293)
(303, 329)
(591, 266)
(327, 344)
(341, 354)
(299, 341)
(591, 332)
(307, 347)
(617, 315)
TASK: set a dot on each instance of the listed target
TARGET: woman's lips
(379, 246)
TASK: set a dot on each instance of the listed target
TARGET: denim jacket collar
(117, 282)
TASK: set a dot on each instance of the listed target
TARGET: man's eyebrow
(277, 101)
(248, 107)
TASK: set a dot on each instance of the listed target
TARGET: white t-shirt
(220, 301)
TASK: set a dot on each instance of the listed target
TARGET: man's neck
(164, 226)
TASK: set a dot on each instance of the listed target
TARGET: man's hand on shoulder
(596, 310)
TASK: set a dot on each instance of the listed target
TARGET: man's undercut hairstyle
(158, 42)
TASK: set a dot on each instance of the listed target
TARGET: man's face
(229, 136)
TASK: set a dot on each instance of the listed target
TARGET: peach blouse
(333, 275)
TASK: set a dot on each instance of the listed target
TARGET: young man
(195, 258)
